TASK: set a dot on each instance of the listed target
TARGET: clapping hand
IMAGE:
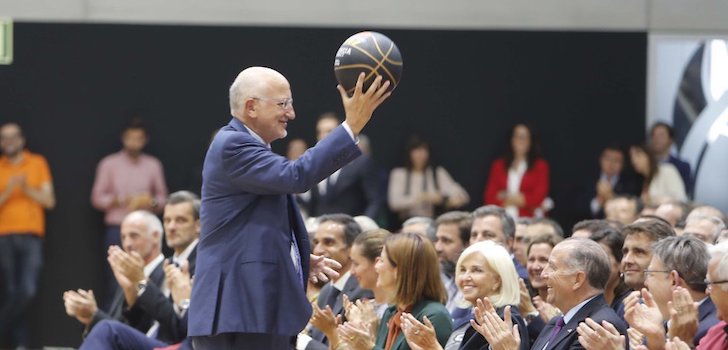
(593, 336)
(645, 317)
(356, 335)
(501, 334)
(80, 304)
(683, 315)
(325, 320)
(420, 336)
(545, 310)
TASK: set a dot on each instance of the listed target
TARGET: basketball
(369, 52)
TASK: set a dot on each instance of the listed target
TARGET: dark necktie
(557, 328)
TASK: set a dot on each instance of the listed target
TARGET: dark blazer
(356, 191)
(135, 316)
(472, 340)
(567, 338)
(353, 291)
(627, 184)
(172, 327)
(245, 281)
(707, 318)
(683, 168)
(435, 312)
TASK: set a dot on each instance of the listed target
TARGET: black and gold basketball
(369, 52)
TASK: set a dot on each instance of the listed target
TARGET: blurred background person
(126, 181)
(661, 145)
(26, 191)
(519, 181)
(661, 181)
(613, 180)
(422, 188)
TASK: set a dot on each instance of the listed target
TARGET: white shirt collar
(186, 253)
(149, 268)
(256, 136)
(569, 315)
(341, 282)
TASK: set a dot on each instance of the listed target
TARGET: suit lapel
(705, 309)
(544, 335)
(583, 313)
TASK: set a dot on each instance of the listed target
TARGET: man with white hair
(141, 239)
(704, 228)
(253, 257)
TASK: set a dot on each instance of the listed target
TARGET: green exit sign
(6, 41)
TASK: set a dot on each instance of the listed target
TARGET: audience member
(126, 181)
(660, 181)
(354, 189)
(333, 239)
(612, 241)
(141, 238)
(519, 181)
(661, 141)
(545, 225)
(613, 180)
(521, 240)
(409, 273)
(623, 209)
(492, 223)
(674, 212)
(296, 148)
(420, 225)
(538, 252)
(637, 250)
(586, 228)
(484, 277)
(577, 274)
(453, 234)
(26, 190)
(704, 228)
(680, 262)
(421, 187)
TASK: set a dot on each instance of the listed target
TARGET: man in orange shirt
(26, 190)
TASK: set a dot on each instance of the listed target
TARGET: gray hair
(151, 221)
(589, 256)
(716, 221)
(719, 250)
(687, 255)
(186, 197)
(509, 226)
(721, 272)
(431, 228)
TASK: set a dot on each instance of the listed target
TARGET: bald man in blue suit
(253, 258)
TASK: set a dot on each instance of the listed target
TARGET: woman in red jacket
(519, 181)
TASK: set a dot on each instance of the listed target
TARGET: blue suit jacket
(245, 280)
(707, 318)
(567, 338)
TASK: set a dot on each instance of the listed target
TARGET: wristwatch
(141, 286)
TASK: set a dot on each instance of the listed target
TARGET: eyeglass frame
(282, 103)
(709, 284)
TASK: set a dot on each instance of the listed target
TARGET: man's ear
(579, 280)
(676, 279)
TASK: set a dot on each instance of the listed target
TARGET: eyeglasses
(284, 104)
(710, 284)
(648, 273)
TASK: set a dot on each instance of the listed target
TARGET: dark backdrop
(73, 86)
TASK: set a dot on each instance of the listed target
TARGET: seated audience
(623, 209)
(409, 274)
(660, 181)
(483, 274)
(613, 180)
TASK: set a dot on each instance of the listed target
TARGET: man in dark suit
(355, 189)
(136, 267)
(613, 180)
(681, 262)
(333, 239)
(576, 275)
(661, 140)
(253, 258)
